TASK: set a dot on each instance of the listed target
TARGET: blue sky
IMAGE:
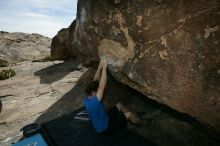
(45, 17)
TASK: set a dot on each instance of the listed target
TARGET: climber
(116, 117)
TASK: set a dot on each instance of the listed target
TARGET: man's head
(92, 88)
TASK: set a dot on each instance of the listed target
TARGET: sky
(45, 17)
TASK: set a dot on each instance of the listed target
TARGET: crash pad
(75, 129)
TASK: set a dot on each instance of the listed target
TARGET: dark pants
(117, 121)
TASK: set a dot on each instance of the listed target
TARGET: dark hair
(92, 87)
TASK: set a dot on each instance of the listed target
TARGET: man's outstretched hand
(104, 63)
(103, 79)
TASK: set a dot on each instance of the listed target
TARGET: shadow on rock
(69, 101)
(72, 100)
(56, 72)
(169, 127)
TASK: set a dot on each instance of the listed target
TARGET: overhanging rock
(167, 50)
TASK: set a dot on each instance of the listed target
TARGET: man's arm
(98, 72)
(102, 82)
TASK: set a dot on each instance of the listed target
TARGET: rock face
(61, 46)
(16, 47)
(167, 50)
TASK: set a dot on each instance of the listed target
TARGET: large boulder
(61, 46)
(168, 50)
(17, 47)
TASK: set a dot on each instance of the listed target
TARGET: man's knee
(119, 106)
(128, 115)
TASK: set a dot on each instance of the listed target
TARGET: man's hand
(104, 63)
(103, 80)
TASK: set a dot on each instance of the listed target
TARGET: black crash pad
(75, 129)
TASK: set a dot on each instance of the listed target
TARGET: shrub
(3, 63)
(5, 74)
(48, 58)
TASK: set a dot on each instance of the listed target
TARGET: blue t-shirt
(96, 112)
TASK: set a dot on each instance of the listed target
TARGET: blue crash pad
(35, 140)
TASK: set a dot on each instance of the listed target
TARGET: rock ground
(36, 86)
(44, 91)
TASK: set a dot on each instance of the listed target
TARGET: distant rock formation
(61, 46)
(16, 47)
(167, 50)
